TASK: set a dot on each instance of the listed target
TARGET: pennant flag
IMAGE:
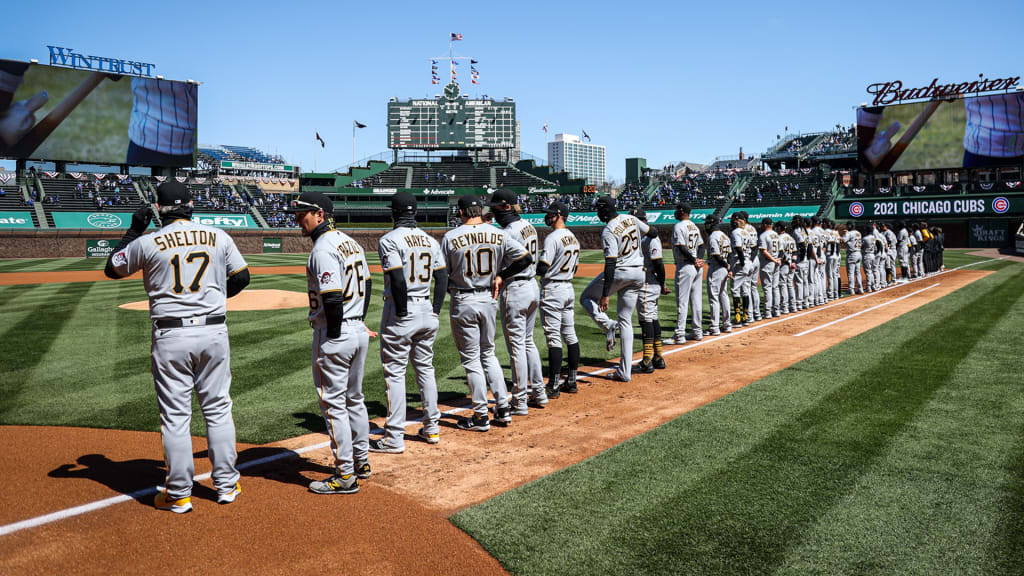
(1013, 185)
(433, 62)
(471, 61)
(160, 179)
(433, 81)
(200, 180)
(181, 178)
(5, 177)
(98, 176)
(358, 124)
(122, 177)
(322, 143)
(456, 36)
(545, 127)
(455, 62)
(473, 81)
(585, 135)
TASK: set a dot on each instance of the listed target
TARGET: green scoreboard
(451, 122)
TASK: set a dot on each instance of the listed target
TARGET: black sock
(554, 364)
(574, 357)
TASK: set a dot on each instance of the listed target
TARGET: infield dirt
(397, 523)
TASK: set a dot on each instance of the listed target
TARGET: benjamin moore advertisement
(116, 220)
(16, 220)
(777, 213)
(663, 217)
(957, 207)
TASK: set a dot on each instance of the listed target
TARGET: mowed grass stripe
(740, 485)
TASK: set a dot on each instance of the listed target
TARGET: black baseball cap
(560, 208)
(311, 201)
(605, 202)
(639, 213)
(503, 196)
(172, 193)
(684, 207)
(469, 200)
(403, 202)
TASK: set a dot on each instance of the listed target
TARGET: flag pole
(353, 141)
(314, 154)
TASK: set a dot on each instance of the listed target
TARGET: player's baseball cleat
(475, 424)
(229, 497)
(337, 484)
(659, 363)
(430, 438)
(381, 445)
(643, 367)
(179, 506)
(714, 332)
(537, 402)
(618, 377)
(363, 470)
(520, 409)
(503, 415)
(570, 387)
(609, 338)
(553, 392)
(727, 329)
(694, 336)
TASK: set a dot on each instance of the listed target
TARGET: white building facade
(581, 160)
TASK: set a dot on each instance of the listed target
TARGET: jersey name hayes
(185, 238)
(472, 238)
(417, 241)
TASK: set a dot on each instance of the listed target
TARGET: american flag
(456, 36)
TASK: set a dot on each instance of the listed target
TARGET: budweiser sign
(890, 92)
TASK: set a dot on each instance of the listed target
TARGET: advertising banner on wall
(659, 217)
(271, 245)
(987, 234)
(958, 207)
(116, 220)
(16, 220)
(99, 248)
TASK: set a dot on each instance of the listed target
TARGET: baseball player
(891, 242)
(853, 242)
(881, 253)
(409, 322)
(918, 243)
(518, 306)
(869, 247)
(770, 263)
(738, 267)
(787, 252)
(557, 267)
(803, 256)
(339, 286)
(188, 270)
(832, 258)
(480, 259)
(817, 268)
(623, 274)
(903, 251)
(719, 252)
(654, 287)
(750, 241)
(688, 253)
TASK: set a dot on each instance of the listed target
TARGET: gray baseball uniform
(853, 261)
(903, 249)
(718, 293)
(185, 266)
(833, 258)
(918, 243)
(787, 291)
(750, 240)
(868, 249)
(474, 255)
(891, 254)
(558, 299)
(621, 241)
(880, 255)
(818, 279)
(769, 242)
(740, 280)
(802, 280)
(337, 264)
(410, 337)
(688, 279)
(647, 310)
(518, 306)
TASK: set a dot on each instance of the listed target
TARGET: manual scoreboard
(451, 122)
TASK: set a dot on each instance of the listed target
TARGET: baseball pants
(904, 259)
(853, 273)
(196, 357)
(740, 281)
(770, 283)
(647, 303)
(472, 318)
(338, 376)
(812, 283)
(558, 313)
(718, 298)
(519, 302)
(402, 339)
(803, 288)
(628, 283)
(688, 299)
(753, 271)
(822, 272)
(869, 272)
(786, 294)
(834, 280)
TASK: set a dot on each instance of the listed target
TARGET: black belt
(353, 319)
(557, 281)
(163, 323)
(471, 290)
(520, 279)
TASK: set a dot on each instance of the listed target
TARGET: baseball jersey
(561, 253)
(336, 264)
(868, 245)
(736, 237)
(883, 244)
(474, 254)
(890, 238)
(414, 252)
(769, 242)
(904, 238)
(524, 233)
(853, 242)
(685, 233)
(164, 115)
(918, 238)
(651, 248)
(787, 247)
(719, 245)
(995, 125)
(834, 239)
(185, 266)
(620, 239)
(749, 241)
(800, 237)
(817, 237)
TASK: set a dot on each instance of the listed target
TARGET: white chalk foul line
(864, 311)
(100, 504)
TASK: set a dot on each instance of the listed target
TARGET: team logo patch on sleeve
(325, 278)
(119, 259)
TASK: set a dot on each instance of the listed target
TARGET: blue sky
(667, 81)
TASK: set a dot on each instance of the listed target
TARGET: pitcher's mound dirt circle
(249, 300)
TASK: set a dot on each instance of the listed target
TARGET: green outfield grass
(898, 451)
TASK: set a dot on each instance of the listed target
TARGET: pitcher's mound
(249, 300)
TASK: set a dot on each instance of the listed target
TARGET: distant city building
(581, 160)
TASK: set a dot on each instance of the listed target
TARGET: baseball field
(882, 433)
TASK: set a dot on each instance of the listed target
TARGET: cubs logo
(325, 278)
(856, 209)
(1000, 205)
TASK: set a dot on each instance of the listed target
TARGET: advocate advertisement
(63, 114)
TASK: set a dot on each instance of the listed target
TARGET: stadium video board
(63, 114)
(451, 122)
(978, 132)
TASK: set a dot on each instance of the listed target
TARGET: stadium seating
(813, 187)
